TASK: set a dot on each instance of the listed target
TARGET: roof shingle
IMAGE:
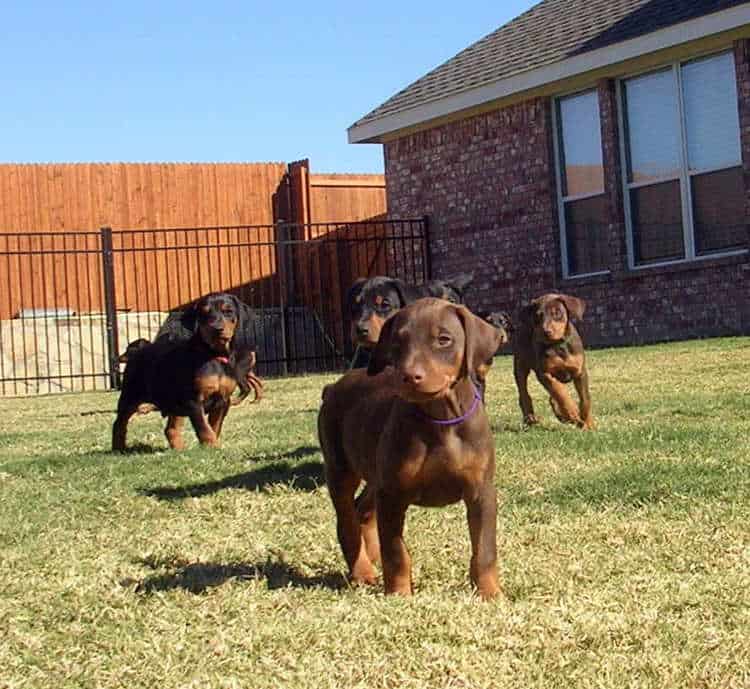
(549, 32)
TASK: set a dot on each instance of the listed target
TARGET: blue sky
(217, 81)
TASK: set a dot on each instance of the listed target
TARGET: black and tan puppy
(181, 326)
(415, 430)
(371, 301)
(192, 378)
(132, 348)
(499, 319)
(546, 341)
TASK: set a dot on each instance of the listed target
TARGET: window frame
(685, 175)
(561, 199)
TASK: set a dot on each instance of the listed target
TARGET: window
(583, 208)
(684, 187)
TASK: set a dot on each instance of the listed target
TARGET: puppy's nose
(413, 376)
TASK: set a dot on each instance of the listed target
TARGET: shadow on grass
(522, 429)
(305, 477)
(91, 412)
(135, 449)
(642, 484)
(196, 577)
(299, 453)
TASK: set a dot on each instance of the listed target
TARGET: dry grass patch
(625, 552)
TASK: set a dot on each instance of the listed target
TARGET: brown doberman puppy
(414, 429)
(192, 378)
(546, 341)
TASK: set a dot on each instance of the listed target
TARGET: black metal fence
(70, 302)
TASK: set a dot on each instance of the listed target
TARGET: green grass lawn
(625, 553)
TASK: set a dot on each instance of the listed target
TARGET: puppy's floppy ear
(527, 313)
(381, 355)
(244, 334)
(575, 306)
(189, 317)
(482, 341)
(245, 313)
(460, 282)
(406, 294)
(355, 290)
(237, 304)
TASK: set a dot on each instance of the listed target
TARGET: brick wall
(487, 184)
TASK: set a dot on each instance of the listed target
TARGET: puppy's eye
(445, 340)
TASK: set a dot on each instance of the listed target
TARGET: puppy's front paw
(363, 574)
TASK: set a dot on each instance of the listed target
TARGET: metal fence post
(347, 343)
(427, 255)
(282, 233)
(110, 308)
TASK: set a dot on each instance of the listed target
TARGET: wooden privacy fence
(73, 301)
(316, 198)
(86, 196)
(52, 210)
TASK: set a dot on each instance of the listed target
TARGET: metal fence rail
(75, 300)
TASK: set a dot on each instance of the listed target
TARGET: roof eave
(378, 130)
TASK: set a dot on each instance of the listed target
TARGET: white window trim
(562, 200)
(686, 191)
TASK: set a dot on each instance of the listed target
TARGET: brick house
(596, 147)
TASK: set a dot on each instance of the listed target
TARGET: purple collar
(459, 419)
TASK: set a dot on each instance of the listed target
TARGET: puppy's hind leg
(521, 373)
(368, 520)
(342, 485)
(584, 399)
(125, 409)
